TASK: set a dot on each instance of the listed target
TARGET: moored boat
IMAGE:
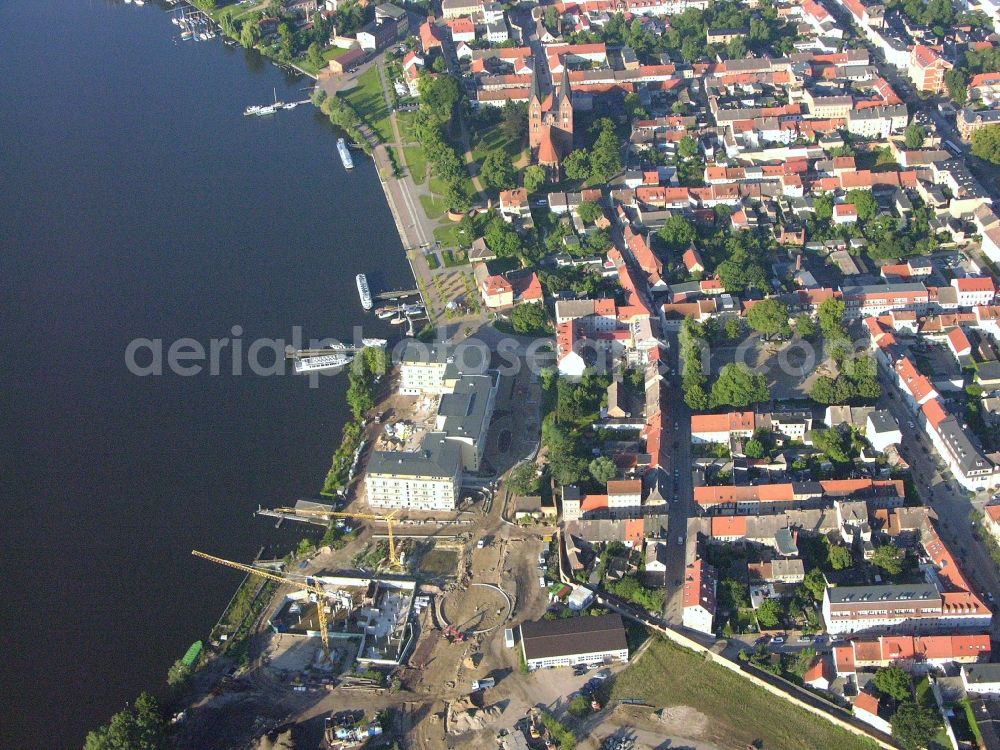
(363, 291)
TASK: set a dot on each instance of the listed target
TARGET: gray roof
(957, 441)
(895, 593)
(543, 639)
(464, 411)
(388, 9)
(883, 421)
(980, 673)
(856, 291)
(461, 359)
(438, 458)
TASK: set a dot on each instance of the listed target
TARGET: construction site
(408, 614)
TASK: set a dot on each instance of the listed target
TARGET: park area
(737, 712)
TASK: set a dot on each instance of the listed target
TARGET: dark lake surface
(136, 201)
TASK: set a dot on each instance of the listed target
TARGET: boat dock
(309, 505)
(398, 294)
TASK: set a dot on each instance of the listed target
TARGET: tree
(986, 143)
(677, 233)
(529, 318)
(733, 328)
(914, 135)
(315, 55)
(754, 449)
(804, 326)
(579, 706)
(515, 121)
(589, 212)
(824, 390)
(603, 469)
(438, 95)
(833, 444)
(956, 81)
(503, 240)
(889, 557)
(606, 154)
(914, 726)
(740, 386)
(178, 674)
(831, 318)
(523, 480)
(687, 147)
(823, 206)
(498, 171)
(137, 727)
(769, 316)
(893, 682)
(839, 557)
(534, 178)
(815, 583)
(769, 613)
(359, 390)
(577, 165)
(864, 201)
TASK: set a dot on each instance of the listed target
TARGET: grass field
(416, 163)
(329, 54)
(490, 140)
(666, 675)
(368, 101)
(433, 207)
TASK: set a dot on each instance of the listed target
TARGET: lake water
(136, 201)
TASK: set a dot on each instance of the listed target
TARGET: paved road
(950, 501)
(677, 424)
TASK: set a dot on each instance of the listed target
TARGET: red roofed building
(699, 596)
(974, 290)
(720, 428)
(692, 261)
(730, 528)
(959, 343)
(927, 69)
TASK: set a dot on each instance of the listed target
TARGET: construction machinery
(321, 594)
(389, 519)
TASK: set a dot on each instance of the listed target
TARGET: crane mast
(321, 595)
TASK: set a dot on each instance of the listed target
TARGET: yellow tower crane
(390, 518)
(321, 594)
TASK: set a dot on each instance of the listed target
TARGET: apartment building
(915, 654)
(426, 479)
(911, 607)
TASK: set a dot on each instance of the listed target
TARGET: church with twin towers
(550, 124)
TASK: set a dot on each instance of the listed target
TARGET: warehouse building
(576, 640)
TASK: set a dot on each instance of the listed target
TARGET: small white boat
(398, 320)
(140, 2)
(187, 35)
(385, 312)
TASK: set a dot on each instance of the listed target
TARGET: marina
(329, 358)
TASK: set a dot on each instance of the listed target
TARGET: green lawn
(448, 234)
(328, 54)
(368, 101)
(453, 258)
(416, 162)
(741, 713)
(491, 139)
(433, 207)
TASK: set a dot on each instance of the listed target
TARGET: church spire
(536, 89)
(564, 90)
